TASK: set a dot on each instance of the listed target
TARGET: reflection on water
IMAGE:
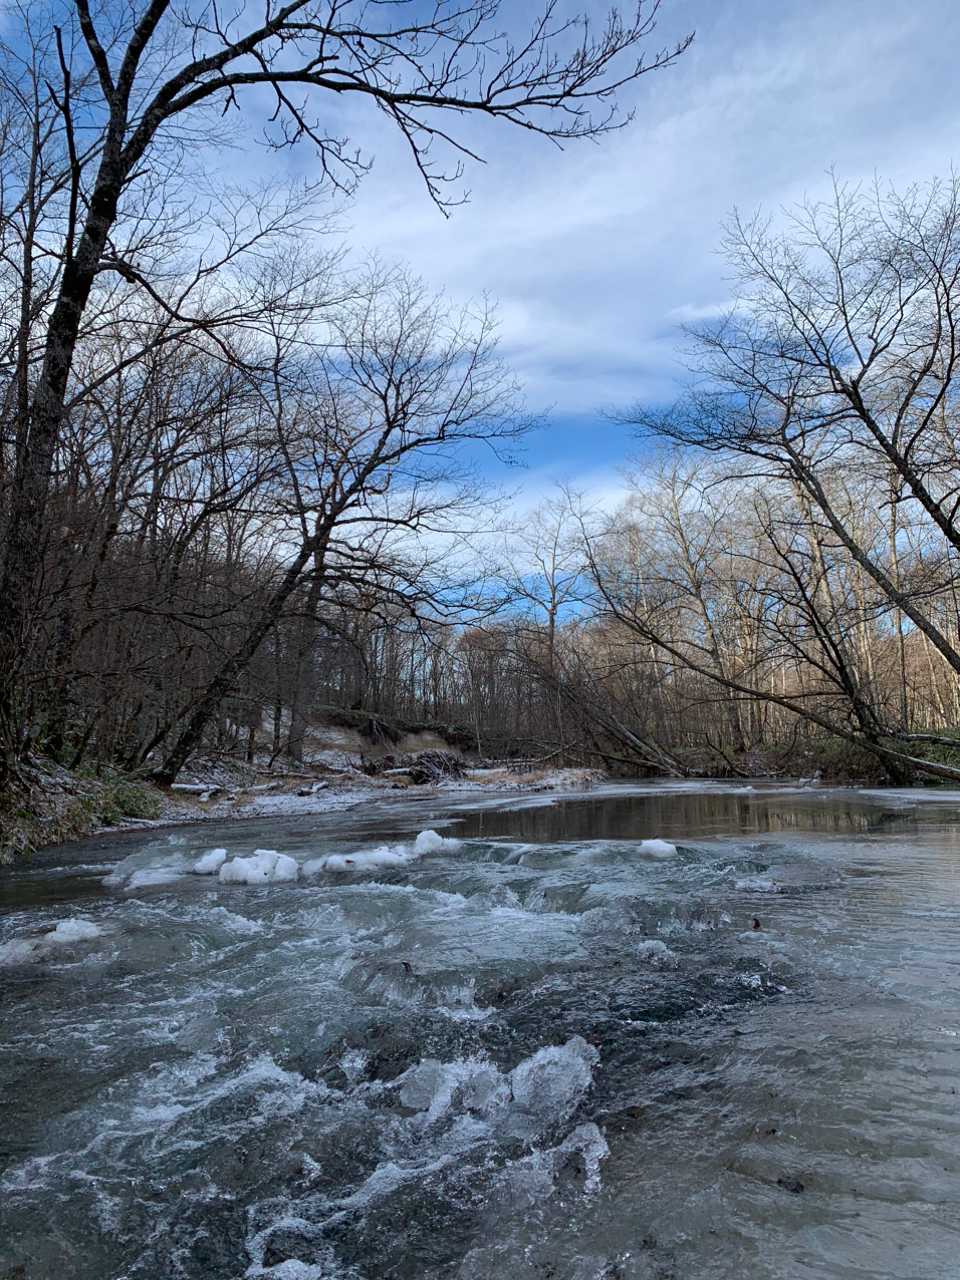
(695, 814)
(550, 1051)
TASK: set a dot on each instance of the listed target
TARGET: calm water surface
(542, 1051)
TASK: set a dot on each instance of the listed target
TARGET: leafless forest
(242, 476)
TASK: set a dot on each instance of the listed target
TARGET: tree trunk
(190, 738)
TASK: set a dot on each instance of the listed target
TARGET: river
(667, 1031)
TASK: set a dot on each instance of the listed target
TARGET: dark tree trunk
(226, 678)
(37, 446)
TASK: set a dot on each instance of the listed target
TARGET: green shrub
(128, 800)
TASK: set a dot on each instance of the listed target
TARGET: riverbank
(58, 806)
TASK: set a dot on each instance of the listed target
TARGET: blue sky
(597, 253)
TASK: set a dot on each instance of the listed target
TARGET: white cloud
(597, 253)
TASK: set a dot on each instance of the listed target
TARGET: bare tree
(834, 374)
(369, 431)
(118, 98)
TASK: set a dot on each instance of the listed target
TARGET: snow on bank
(41, 946)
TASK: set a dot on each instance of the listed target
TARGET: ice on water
(49, 945)
(658, 848)
(334, 1061)
(163, 866)
(210, 863)
(264, 866)
(385, 855)
(656, 952)
(75, 930)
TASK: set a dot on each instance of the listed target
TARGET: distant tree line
(260, 523)
(238, 480)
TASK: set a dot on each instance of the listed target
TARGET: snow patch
(264, 866)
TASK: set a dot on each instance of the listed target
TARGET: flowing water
(547, 1045)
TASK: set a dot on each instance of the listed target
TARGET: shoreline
(71, 815)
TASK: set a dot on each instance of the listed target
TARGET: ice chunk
(431, 842)
(264, 866)
(211, 862)
(655, 952)
(146, 877)
(352, 1064)
(40, 947)
(74, 930)
(385, 855)
(658, 848)
(757, 884)
(22, 950)
(550, 1083)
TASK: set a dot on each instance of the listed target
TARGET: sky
(597, 253)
